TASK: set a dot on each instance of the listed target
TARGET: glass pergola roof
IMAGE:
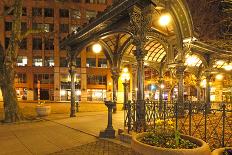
(192, 60)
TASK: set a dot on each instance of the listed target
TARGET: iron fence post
(223, 123)
(176, 115)
(164, 114)
(129, 116)
(205, 116)
(190, 118)
(154, 109)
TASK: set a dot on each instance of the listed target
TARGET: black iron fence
(212, 123)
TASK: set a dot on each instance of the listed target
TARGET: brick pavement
(59, 133)
(99, 147)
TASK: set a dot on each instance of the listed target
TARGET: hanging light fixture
(96, 48)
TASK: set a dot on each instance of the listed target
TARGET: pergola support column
(72, 72)
(115, 76)
(140, 103)
(207, 92)
(180, 76)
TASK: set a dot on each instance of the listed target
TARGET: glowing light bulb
(164, 20)
(97, 48)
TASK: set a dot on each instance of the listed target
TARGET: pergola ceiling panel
(116, 40)
(156, 51)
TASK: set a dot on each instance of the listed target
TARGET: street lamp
(126, 82)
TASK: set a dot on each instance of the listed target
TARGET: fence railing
(213, 125)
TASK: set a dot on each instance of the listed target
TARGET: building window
(44, 78)
(89, 1)
(48, 27)
(96, 95)
(37, 44)
(101, 1)
(20, 78)
(24, 11)
(64, 13)
(76, 1)
(22, 61)
(7, 41)
(74, 28)
(37, 12)
(96, 80)
(102, 63)
(63, 62)
(48, 12)
(64, 28)
(37, 26)
(75, 14)
(23, 26)
(78, 62)
(23, 44)
(90, 62)
(49, 62)
(37, 61)
(91, 14)
(9, 10)
(49, 44)
(8, 26)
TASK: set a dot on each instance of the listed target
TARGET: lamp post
(126, 82)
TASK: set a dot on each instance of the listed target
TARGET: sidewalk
(59, 134)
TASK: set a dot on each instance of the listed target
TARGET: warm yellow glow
(162, 86)
(78, 92)
(62, 92)
(219, 77)
(164, 20)
(228, 67)
(97, 48)
(125, 75)
(136, 89)
(125, 70)
(220, 62)
(203, 83)
(110, 83)
(192, 60)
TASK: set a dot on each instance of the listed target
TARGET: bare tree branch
(31, 31)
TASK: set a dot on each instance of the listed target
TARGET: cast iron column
(180, 75)
(72, 73)
(115, 76)
(198, 90)
(140, 103)
(125, 85)
(207, 90)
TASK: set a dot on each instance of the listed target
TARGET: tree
(8, 59)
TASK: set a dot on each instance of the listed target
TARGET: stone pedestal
(109, 132)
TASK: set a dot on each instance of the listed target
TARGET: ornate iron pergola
(129, 30)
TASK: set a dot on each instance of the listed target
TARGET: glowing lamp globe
(164, 20)
(97, 48)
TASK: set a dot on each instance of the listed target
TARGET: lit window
(76, 14)
(91, 14)
(37, 61)
(49, 61)
(22, 61)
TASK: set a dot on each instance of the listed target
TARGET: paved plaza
(59, 134)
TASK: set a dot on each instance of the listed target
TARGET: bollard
(109, 132)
